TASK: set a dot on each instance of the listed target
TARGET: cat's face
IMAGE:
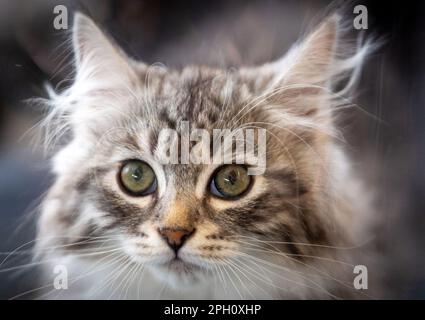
(185, 219)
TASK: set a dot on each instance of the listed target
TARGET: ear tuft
(85, 36)
(100, 63)
(314, 76)
(92, 47)
(314, 57)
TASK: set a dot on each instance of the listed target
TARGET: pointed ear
(297, 88)
(299, 80)
(307, 63)
(311, 61)
(96, 56)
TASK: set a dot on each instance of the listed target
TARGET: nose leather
(174, 237)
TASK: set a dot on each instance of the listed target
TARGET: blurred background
(387, 141)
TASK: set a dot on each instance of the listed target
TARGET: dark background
(388, 144)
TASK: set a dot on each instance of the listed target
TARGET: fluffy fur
(292, 236)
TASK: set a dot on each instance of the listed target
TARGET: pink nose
(174, 237)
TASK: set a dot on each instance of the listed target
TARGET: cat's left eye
(137, 178)
(230, 182)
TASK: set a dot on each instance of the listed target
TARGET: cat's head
(113, 190)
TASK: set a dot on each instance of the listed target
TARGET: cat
(122, 225)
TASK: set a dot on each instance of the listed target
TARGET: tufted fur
(292, 236)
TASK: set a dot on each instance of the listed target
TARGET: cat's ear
(301, 79)
(311, 61)
(97, 58)
(307, 63)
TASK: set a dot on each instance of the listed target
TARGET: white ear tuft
(97, 57)
(311, 61)
(89, 41)
(313, 77)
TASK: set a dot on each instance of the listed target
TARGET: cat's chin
(177, 272)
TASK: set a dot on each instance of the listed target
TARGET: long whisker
(231, 267)
(279, 267)
(232, 282)
(124, 269)
(95, 268)
(55, 259)
(244, 273)
(13, 252)
(301, 243)
(108, 277)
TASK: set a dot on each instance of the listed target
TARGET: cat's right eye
(137, 178)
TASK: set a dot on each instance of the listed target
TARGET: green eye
(230, 181)
(137, 178)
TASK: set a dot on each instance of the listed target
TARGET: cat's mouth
(180, 266)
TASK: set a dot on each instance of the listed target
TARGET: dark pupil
(137, 174)
(232, 177)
